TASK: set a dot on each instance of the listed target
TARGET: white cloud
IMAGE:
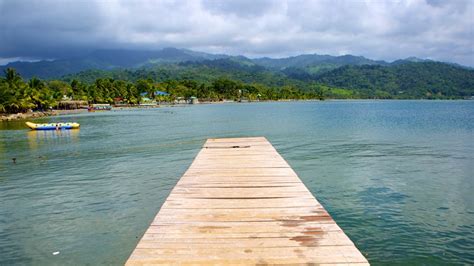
(440, 30)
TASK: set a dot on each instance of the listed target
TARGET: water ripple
(396, 179)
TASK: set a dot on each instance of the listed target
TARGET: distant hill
(425, 79)
(314, 63)
(107, 60)
(113, 59)
(350, 76)
(203, 71)
(399, 81)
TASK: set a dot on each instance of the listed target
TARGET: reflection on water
(397, 176)
(51, 137)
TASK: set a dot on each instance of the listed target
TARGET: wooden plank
(203, 229)
(253, 255)
(240, 203)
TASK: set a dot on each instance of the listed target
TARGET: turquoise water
(397, 176)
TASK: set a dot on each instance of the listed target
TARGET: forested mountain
(314, 63)
(113, 59)
(408, 80)
(107, 60)
(234, 78)
(342, 76)
(204, 71)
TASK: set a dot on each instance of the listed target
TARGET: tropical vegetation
(107, 75)
(17, 95)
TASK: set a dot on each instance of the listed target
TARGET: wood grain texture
(240, 203)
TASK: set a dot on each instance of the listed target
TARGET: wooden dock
(241, 203)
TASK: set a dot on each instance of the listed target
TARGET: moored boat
(52, 126)
(99, 107)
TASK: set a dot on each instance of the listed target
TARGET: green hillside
(314, 63)
(407, 80)
(332, 76)
(106, 60)
(115, 59)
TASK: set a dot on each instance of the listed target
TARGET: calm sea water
(397, 176)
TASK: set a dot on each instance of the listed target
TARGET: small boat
(99, 107)
(52, 126)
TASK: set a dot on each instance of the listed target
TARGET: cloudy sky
(387, 30)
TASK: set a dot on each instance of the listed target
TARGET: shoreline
(39, 114)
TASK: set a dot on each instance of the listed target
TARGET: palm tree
(12, 92)
(37, 93)
(11, 76)
(5, 96)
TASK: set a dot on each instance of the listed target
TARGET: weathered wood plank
(240, 203)
(201, 229)
(265, 255)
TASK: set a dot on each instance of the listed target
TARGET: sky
(383, 30)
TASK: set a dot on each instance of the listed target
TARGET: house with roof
(148, 99)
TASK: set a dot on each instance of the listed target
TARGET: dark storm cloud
(435, 29)
(46, 28)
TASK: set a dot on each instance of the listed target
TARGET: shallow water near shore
(397, 176)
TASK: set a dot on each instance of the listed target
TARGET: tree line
(427, 80)
(17, 95)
